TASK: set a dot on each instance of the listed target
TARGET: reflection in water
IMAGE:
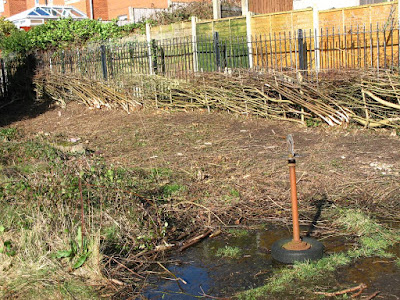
(204, 272)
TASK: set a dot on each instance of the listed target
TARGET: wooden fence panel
(280, 22)
(383, 14)
(165, 32)
(270, 6)
(227, 28)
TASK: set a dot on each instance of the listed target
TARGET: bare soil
(237, 165)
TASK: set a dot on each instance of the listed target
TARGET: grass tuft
(238, 232)
(229, 252)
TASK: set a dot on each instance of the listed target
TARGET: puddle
(378, 274)
(204, 272)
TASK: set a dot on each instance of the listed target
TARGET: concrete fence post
(249, 39)
(217, 9)
(245, 7)
(194, 45)
(316, 37)
(148, 36)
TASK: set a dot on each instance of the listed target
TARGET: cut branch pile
(370, 99)
(64, 88)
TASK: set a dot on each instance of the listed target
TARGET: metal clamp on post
(292, 155)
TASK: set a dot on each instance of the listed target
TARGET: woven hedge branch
(367, 98)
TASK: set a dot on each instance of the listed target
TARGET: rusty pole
(293, 196)
(296, 243)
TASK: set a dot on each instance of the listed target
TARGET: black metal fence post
(103, 61)
(301, 50)
(110, 63)
(154, 55)
(162, 54)
(216, 52)
(224, 54)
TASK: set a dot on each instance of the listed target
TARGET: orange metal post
(293, 196)
(296, 243)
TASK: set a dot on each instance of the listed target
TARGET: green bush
(63, 33)
(6, 27)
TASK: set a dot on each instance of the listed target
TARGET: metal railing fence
(328, 49)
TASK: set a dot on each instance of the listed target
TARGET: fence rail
(328, 49)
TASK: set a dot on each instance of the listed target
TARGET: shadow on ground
(19, 102)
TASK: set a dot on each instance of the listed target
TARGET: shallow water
(203, 272)
(378, 274)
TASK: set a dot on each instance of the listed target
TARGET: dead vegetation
(213, 169)
(369, 99)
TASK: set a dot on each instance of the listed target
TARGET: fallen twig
(125, 267)
(346, 291)
(372, 296)
(195, 240)
(359, 292)
(172, 274)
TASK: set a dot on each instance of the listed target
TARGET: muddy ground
(236, 166)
